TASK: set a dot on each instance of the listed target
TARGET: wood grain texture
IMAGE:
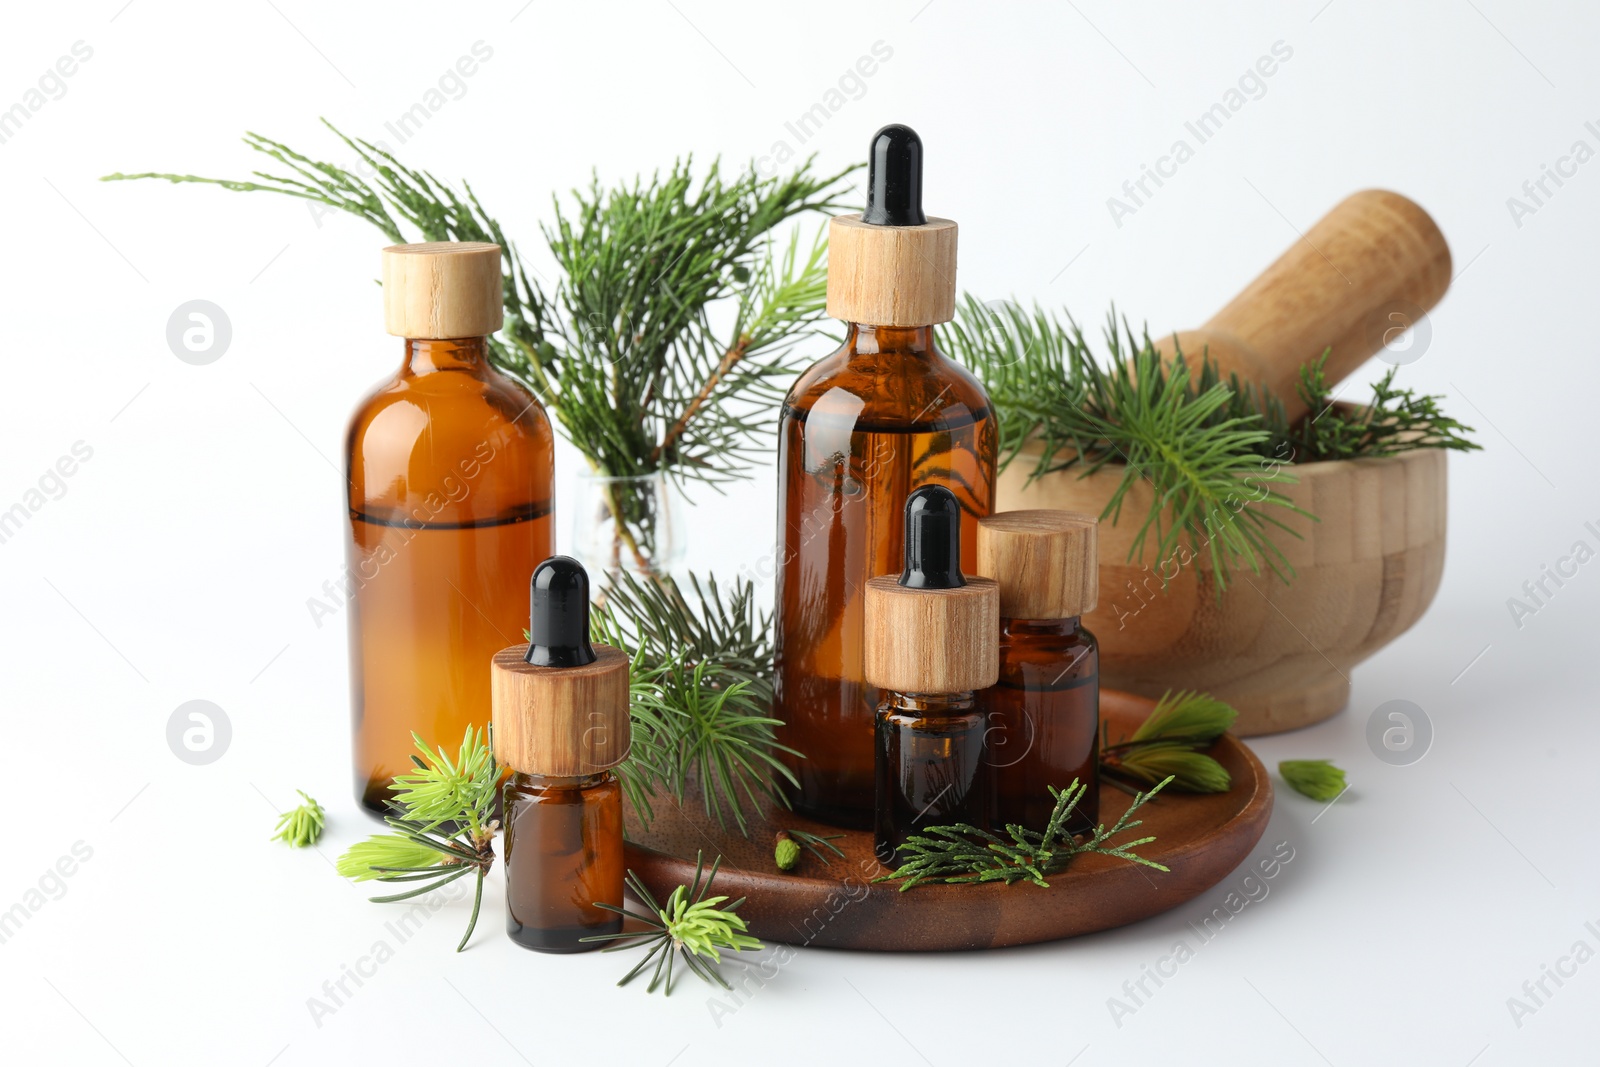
(1374, 263)
(932, 640)
(1043, 560)
(563, 721)
(442, 289)
(891, 275)
(1281, 654)
(1201, 838)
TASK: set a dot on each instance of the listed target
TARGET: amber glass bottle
(931, 640)
(560, 724)
(449, 466)
(861, 429)
(1044, 712)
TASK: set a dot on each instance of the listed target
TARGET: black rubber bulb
(894, 178)
(558, 614)
(933, 540)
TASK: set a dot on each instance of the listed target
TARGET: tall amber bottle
(1044, 712)
(560, 724)
(860, 430)
(450, 469)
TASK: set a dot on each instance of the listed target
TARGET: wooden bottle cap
(932, 640)
(1043, 560)
(560, 721)
(442, 289)
(891, 275)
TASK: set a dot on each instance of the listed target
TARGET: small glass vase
(627, 522)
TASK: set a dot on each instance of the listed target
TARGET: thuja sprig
(443, 823)
(1318, 779)
(962, 853)
(1167, 745)
(691, 927)
(300, 827)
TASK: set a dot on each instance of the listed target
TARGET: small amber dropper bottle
(560, 725)
(931, 640)
(1044, 712)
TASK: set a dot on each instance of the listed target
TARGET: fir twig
(443, 826)
(691, 927)
(702, 694)
(1166, 745)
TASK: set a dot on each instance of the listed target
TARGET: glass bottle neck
(911, 341)
(426, 355)
(559, 781)
(1041, 627)
(934, 703)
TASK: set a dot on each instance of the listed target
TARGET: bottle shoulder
(890, 388)
(425, 436)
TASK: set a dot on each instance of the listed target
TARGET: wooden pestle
(1365, 272)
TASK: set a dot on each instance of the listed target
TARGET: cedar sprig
(443, 825)
(1167, 744)
(963, 854)
(300, 827)
(666, 340)
(691, 927)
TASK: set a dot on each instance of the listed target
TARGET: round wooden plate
(1201, 838)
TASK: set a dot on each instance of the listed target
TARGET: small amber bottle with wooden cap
(450, 467)
(560, 725)
(1044, 712)
(866, 425)
(931, 641)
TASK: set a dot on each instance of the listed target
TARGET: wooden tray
(1201, 838)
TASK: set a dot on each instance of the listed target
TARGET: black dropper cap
(894, 178)
(558, 614)
(933, 540)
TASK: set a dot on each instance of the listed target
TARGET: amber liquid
(931, 769)
(450, 469)
(1044, 722)
(563, 854)
(860, 430)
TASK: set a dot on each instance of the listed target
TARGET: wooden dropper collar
(931, 629)
(1044, 562)
(891, 265)
(560, 704)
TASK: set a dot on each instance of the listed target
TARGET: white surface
(179, 560)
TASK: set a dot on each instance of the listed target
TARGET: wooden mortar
(1282, 654)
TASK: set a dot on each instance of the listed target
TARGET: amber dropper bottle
(931, 640)
(862, 428)
(560, 725)
(449, 464)
(1044, 712)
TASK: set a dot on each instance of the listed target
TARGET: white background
(179, 560)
